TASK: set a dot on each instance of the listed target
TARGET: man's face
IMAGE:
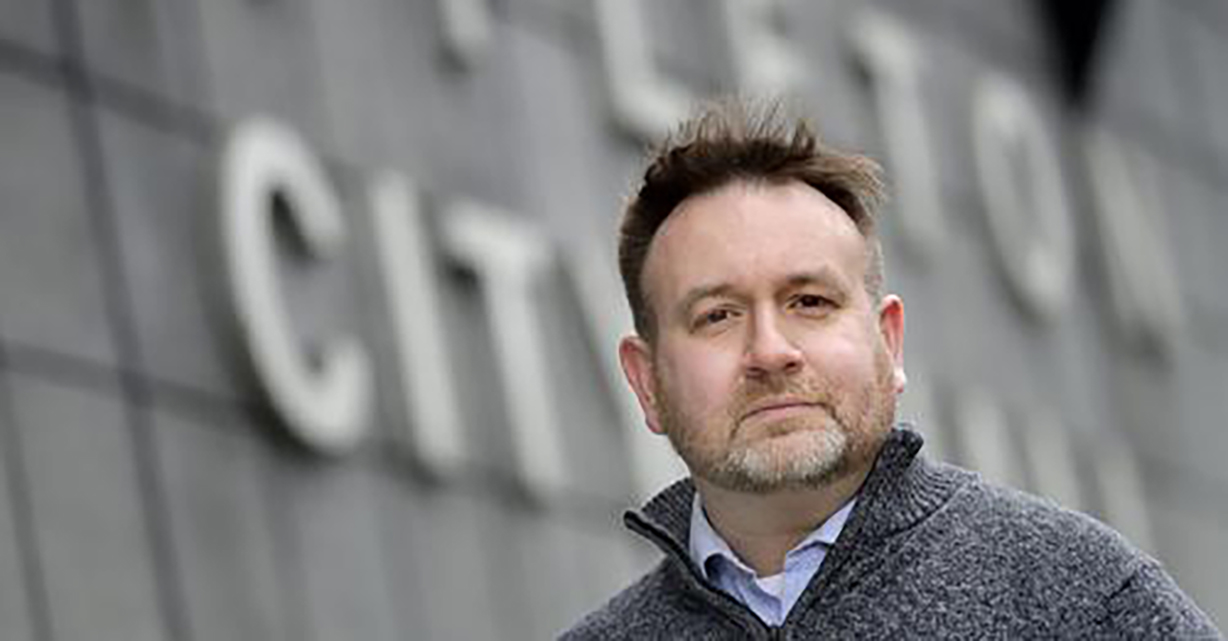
(770, 368)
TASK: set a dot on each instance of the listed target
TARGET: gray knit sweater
(930, 551)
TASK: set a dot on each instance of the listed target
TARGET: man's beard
(840, 436)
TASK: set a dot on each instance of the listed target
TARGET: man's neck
(762, 528)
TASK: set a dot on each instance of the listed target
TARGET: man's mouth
(778, 408)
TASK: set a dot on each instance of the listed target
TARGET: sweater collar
(900, 490)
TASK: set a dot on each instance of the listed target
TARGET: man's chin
(791, 460)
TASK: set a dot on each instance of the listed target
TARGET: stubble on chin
(803, 458)
(793, 453)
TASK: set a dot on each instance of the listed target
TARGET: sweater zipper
(667, 544)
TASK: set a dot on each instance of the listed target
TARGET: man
(767, 353)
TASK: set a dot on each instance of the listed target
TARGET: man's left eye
(810, 301)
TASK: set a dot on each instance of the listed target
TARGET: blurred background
(308, 308)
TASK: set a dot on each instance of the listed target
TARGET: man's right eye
(712, 317)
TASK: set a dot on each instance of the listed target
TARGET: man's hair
(735, 140)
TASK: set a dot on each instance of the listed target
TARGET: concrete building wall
(149, 489)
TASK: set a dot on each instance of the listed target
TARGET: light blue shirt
(772, 597)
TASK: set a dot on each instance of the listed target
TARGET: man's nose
(770, 350)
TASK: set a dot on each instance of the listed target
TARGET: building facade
(308, 309)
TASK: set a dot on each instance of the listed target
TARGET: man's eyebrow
(824, 275)
(696, 294)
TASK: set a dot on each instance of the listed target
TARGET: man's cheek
(701, 367)
(706, 392)
(841, 359)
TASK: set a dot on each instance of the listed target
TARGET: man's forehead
(743, 227)
(758, 208)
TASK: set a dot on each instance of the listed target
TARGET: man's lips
(779, 406)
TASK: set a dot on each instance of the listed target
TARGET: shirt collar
(706, 543)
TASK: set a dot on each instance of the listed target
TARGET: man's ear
(891, 326)
(635, 355)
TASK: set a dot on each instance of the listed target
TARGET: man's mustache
(757, 395)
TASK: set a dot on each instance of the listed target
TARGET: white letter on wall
(763, 59)
(325, 405)
(894, 64)
(643, 102)
(653, 463)
(1144, 291)
(465, 25)
(509, 258)
(1032, 232)
(413, 302)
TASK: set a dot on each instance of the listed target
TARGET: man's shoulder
(1022, 530)
(638, 607)
(1010, 512)
(1004, 510)
(1073, 556)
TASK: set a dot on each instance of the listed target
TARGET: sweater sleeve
(1149, 605)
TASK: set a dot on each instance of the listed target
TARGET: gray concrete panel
(560, 132)
(563, 136)
(688, 43)
(1217, 225)
(273, 544)
(1067, 365)
(1198, 386)
(833, 94)
(380, 62)
(537, 573)
(1196, 236)
(154, 46)
(221, 528)
(332, 512)
(593, 439)
(49, 262)
(1133, 75)
(28, 23)
(166, 207)
(608, 564)
(1144, 407)
(470, 116)
(1200, 69)
(87, 513)
(15, 597)
(261, 57)
(440, 567)
(1191, 546)
(553, 569)
(481, 400)
(947, 78)
(1006, 34)
(967, 279)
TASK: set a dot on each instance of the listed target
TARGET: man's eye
(712, 317)
(811, 301)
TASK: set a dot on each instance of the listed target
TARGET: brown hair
(735, 140)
